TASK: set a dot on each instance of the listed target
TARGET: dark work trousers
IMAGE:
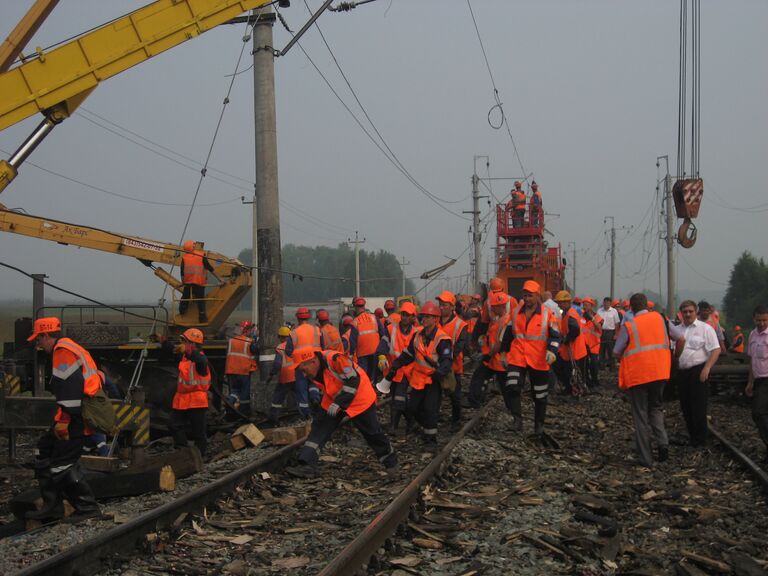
(513, 387)
(196, 419)
(369, 364)
(323, 427)
(302, 394)
(424, 408)
(281, 391)
(693, 402)
(197, 293)
(53, 455)
(399, 405)
(564, 370)
(606, 349)
(645, 400)
(477, 387)
(592, 369)
(455, 397)
(240, 391)
(760, 407)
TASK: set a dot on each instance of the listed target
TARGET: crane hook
(686, 235)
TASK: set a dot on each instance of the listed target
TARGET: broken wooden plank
(246, 435)
(709, 563)
(286, 435)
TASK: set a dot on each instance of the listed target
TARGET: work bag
(98, 412)
(448, 382)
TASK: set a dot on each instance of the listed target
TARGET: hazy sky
(589, 89)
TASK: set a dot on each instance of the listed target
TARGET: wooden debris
(607, 528)
(100, 463)
(594, 504)
(292, 562)
(246, 435)
(409, 561)
(427, 543)
(544, 545)
(285, 435)
(709, 563)
(240, 540)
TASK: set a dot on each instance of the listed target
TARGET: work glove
(383, 363)
(551, 357)
(315, 396)
(335, 410)
(61, 429)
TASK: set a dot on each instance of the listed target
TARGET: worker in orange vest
(331, 336)
(495, 284)
(242, 355)
(347, 392)
(369, 333)
(305, 335)
(430, 353)
(492, 361)
(530, 342)
(706, 315)
(392, 316)
(190, 403)
(453, 325)
(573, 350)
(592, 329)
(349, 336)
(536, 210)
(57, 456)
(644, 349)
(194, 268)
(738, 340)
(517, 202)
(399, 335)
(285, 370)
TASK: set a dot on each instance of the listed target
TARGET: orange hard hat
(246, 325)
(563, 296)
(322, 314)
(303, 354)
(447, 297)
(590, 300)
(498, 299)
(624, 303)
(615, 302)
(303, 313)
(532, 286)
(379, 313)
(389, 305)
(495, 284)
(408, 308)
(193, 335)
(430, 309)
(737, 328)
(45, 325)
(189, 245)
(651, 304)
(359, 301)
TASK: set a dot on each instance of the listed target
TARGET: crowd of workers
(417, 355)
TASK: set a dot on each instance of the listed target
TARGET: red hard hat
(303, 313)
(359, 301)
(246, 325)
(323, 315)
(193, 335)
(347, 320)
(389, 305)
(430, 309)
(379, 313)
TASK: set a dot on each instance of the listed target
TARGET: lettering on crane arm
(75, 231)
(143, 245)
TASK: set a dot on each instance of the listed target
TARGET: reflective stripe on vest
(332, 338)
(422, 369)
(532, 337)
(91, 378)
(631, 325)
(287, 368)
(334, 382)
(367, 333)
(194, 269)
(239, 357)
(304, 336)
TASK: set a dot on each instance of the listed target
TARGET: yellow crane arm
(221, 301)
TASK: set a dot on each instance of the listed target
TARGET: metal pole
(613, 254)
(357, 243)
(266, 206)
(670, 247)
(573, 284)
(403, 264)
(38, 301)
(255, 262)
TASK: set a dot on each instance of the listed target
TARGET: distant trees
(747, 287)
(335, 269)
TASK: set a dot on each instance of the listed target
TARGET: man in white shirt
(547, 301)
(692, 379)
(611, 321)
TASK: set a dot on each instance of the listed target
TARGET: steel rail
(85, 558)
(357, 553)
(741, 457)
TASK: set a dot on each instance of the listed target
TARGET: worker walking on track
(194, 269)
(242, 355)
(530, 342)
(57, 466)
(331, 336)
(369, 334)
(757, 383)
(738, 340)
(699, 354)
(573, 350)
(453, 325)
(491, 360)
(486, 312)
(430, 353)
(285, 370)
(347, 392)
(643, 347)
(611, 321)
(304, 335)
(591, 328)
(190, 403)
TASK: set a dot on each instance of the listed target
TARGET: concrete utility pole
(357, 243)
(573, 284)
(269, 285)
(670, 239)
(403, 264)
(613, 253)
(477, 236)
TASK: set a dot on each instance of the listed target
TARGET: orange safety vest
(426, 358)
(304, 336)
(194, 270)
(495, 334)
(453, 329)
(486, 315)
(591, 335)
(578, 346)
(738, 342)
(346, 338)
(397, 343)
(287, 373)
(393, 318)
(333, 383)
(192, 388)
(647, 357)
(64, 367)
(239, 357)
(332, 338)
(529, 348)
(518, 199)
(368, 334)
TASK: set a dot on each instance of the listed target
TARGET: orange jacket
(738, 342)
(495, 332)
(397, 343)
(425, 361)
(287, 373)
(647, 357)
(367, 334)
(305, 335)
(239, 357)
(339, 365)
(331, 338)
(529, 348)
(591, 335)
(453, 329)
(518, 199)
(194, 270)
(69, 356)
(192, 388)
(577, 346)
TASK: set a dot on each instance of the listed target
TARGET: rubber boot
(395, 416)
(539, 414)
(53, 508)
(77, 491)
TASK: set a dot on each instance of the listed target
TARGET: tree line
(747, 287)
(322, 273)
